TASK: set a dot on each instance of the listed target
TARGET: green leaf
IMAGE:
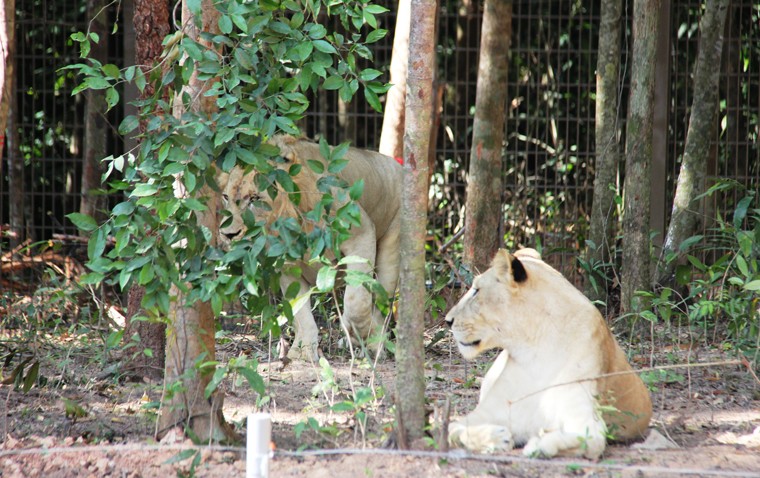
(111, 71)
(376, 35)
(375, 9)
(31, 376)
(145, 189)
(219, 375)
(316, 166)
(689, 242)
(240, 22)
(123, 208)
(752, 285)
(326, 279)
(128, 124)
(741, 211)
(344, 406)
(356, 190)
(225, 24)
(325, 47)
(741, 263)
(96, 245)
(194, 6)
(112, 98)
(254, 379)
(373, 100)
(83, 221)
(333, 82)
(369, 74)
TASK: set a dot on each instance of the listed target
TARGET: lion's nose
(231, 235)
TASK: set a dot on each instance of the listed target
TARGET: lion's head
(244, 192)
(511, 303)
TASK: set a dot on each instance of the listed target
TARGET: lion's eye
(475, 291)
(225, 198)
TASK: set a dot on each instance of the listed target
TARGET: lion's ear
(509, 266)
(518, 270)
(221, 179)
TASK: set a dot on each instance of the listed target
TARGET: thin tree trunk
(635, 274)
(392, 135)
(8, 111)
(603, 208)
(484, 183)
(7, 63)
(92, 203)
(420, 95)
(191, 330)
(704, 107)
(151, 23)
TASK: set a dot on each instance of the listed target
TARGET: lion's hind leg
(481, 438)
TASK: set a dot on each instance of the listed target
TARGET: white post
(259, 435)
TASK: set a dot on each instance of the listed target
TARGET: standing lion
(561, 384)
(376, 239)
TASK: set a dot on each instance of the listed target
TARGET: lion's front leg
(360, 317)
(306, 341)
(480, 437)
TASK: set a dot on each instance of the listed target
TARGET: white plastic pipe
(259, 435)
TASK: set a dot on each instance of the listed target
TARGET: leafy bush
(263, 61)
(722, 294)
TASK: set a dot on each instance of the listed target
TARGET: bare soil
(708, 415)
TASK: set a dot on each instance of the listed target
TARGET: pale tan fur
(375, 240)
(546, 388)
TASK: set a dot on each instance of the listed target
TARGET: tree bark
(8, 128)
(191, 328)
(7, 63)
(684, 219)
(92, 203)
(392, 135)
(410, 379)
(151, 23)
(483, 232)
(635, 274)
(602, 230)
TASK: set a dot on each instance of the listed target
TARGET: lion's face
(243, 195)
(491, 308)
(239, 194)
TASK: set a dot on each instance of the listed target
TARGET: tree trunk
(602, 230)
(392, 135)
(635, 274)
(7, 63)
(410, 379)
(191, 330)
(8, 109)
(151, 23)
(483, 231)
(92, 203)
(704, 107)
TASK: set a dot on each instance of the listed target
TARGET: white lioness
(375, 240)
(561, 382)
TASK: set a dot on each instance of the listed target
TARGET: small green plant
(182, 456)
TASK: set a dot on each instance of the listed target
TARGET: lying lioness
(375, 240)
(561, 383)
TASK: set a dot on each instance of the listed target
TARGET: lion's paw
(481, 438)
(308, 352)
(538, 448)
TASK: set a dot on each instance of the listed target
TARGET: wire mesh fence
(548, 155)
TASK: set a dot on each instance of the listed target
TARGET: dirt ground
(707, 421)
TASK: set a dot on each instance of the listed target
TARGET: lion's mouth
(474, 343)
